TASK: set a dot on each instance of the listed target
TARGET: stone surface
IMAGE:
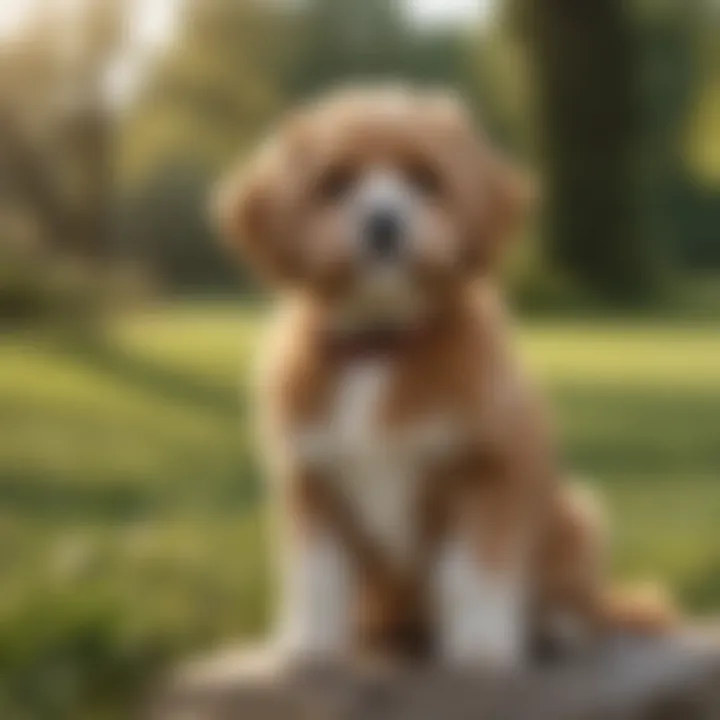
(623, 679)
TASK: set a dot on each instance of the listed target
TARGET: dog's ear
(248, 207)
(505, 197)
(494, 194)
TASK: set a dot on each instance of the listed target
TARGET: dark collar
(376, 341)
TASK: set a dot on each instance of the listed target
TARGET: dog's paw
(486, 651)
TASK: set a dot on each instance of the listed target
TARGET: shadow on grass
(116, 498)
(156, 378)
(639, 430)
(702, 591)
(30, 494)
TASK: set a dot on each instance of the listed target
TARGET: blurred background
(131, 524)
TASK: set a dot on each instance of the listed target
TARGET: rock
(623, 679)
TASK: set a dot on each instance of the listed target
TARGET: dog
(413, 463)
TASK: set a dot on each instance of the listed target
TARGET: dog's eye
(335, 184)
(425, 178)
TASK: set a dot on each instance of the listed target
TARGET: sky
(437, 11)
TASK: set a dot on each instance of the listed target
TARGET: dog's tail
(646, 608)
(643, 609)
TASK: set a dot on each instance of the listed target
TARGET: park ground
(131, 520)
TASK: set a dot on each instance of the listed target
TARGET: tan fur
(499, 483)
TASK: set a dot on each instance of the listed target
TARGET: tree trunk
(586, 67)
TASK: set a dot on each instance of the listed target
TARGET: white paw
(316, 620)
(479, 642)
(480, 613)
(302, 646)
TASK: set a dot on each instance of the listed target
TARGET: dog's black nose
(382, 232)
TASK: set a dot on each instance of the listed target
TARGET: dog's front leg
(480, 573)
(318, 593)
(316, 619)
(480, 608)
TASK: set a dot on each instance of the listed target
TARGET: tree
(214, 90)
(207, 100)
(56, 138)
(585, 63)
(347, 40)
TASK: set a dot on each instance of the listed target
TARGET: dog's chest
(379, 470)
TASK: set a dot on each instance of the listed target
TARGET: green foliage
(536, 286)
(130, 503)
(680, 205)
(167, 228)
(212, 94)
(349, 41)
(55, 141)
(345, 41)
(618, 97)
(36, 287)
(208, 100)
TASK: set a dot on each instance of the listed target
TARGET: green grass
(638, 410)
(130, 505)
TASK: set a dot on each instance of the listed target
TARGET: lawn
(130, 504)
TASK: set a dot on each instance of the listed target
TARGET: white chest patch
(358, 401)
(377, 471)
(378, 478)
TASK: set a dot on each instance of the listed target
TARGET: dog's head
(381, 198)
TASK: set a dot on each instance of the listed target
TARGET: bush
(165, 226)
(535, 286)
(37, 286)
(65, 655)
